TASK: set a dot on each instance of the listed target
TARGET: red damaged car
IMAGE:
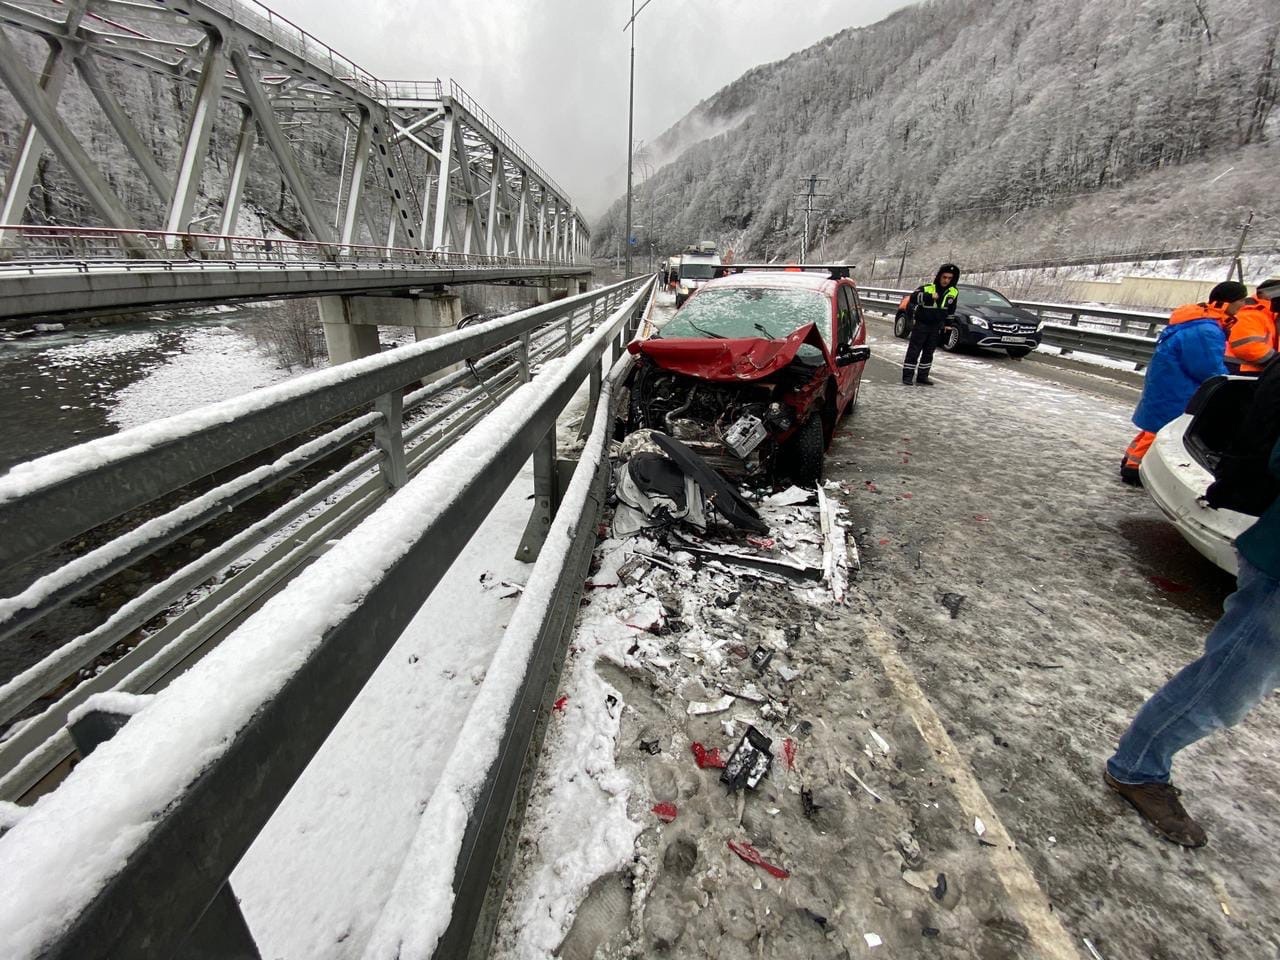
(755, 370)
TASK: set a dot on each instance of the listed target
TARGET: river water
(60, 389)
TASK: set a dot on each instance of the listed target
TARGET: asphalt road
(999, 485)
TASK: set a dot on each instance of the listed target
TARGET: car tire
(806, 452)
(901, 327)
(951, 342)
(1019, 352)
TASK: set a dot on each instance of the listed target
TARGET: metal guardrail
(166, 894)
(1068, 326)
(61, 496)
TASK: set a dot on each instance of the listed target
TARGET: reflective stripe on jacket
(932, 309)
(1252, 341)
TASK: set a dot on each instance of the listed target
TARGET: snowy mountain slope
(955, 109)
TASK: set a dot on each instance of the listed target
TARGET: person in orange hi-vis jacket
(1252, 341)
(1188, 352)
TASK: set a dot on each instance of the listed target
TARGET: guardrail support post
(525, 343)
(593, 400)
(388, 436)
(546, 497)
(221, 933)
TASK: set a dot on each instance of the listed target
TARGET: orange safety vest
(1251, 342)
(1199, 311)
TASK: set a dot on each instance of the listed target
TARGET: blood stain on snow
(789, 752)
(560, 704)
(1167, 585)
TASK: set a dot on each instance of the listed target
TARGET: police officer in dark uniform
(932, 307)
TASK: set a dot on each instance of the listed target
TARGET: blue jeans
(1240, 666)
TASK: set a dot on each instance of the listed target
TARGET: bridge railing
(338, 442)
(1127, 335)
(45, 244)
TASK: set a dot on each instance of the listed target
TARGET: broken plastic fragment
(917, 880)
(651, 747)
(979, 827)
(707, 759)
(787, 673)
(700, 708)
(752, 856)
(666, 812)
(873, 940)
(749, 762)
(760, 659)
(792, 496)
(881, 742)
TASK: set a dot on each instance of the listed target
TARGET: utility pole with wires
(808, 194)
(1236, 266)
(631, 116)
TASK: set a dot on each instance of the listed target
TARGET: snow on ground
(215, 363)
(314, 882)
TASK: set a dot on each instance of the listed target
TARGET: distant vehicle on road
(696, 268)
(984, 318)
(755, 372)
(1178, 468)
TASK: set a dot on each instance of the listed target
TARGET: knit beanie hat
(1229, 291)
(1269, 289)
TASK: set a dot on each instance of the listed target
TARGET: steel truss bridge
(428, 185)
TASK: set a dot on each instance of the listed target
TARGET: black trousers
(924, 340)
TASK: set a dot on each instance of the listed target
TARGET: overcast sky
(554, 72)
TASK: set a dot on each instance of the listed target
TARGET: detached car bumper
(1175, 481)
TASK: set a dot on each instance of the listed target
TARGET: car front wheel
(806, 452)
(951, 341)
(901, 329)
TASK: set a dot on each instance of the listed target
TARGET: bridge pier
(351, 323)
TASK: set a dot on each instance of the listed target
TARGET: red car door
(849, 331)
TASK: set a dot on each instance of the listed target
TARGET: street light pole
(631, 116)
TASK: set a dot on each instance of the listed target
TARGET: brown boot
(1158, 804)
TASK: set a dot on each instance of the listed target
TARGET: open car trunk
(1218, 411)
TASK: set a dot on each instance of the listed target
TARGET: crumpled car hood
(732, 360)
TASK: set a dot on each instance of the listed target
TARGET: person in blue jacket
(1240, 666)
(1188, 352)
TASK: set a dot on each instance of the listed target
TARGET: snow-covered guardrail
(130, 855)
(1127, 335)
(358, 411)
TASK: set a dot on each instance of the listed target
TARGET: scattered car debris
(859, 781)
(752, 856)
(792, 496)
(760, 659)
(873, 939)
(940, 888)
(835, 553)
(789, 753)
(768, 564)
(918, 880)
(788, 673)
(909, 848)
(1093, 951)
(704, 707)
(707, 759)
(749, 762)
(979, 827)
(953, 602)
(666, 812)
(881, 742)
(652, 747)
(930, 932)
(807, 804)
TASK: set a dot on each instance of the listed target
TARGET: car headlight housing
(979, 322)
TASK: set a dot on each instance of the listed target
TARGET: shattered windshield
(758, 312)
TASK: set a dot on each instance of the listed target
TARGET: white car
(1174, 474)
